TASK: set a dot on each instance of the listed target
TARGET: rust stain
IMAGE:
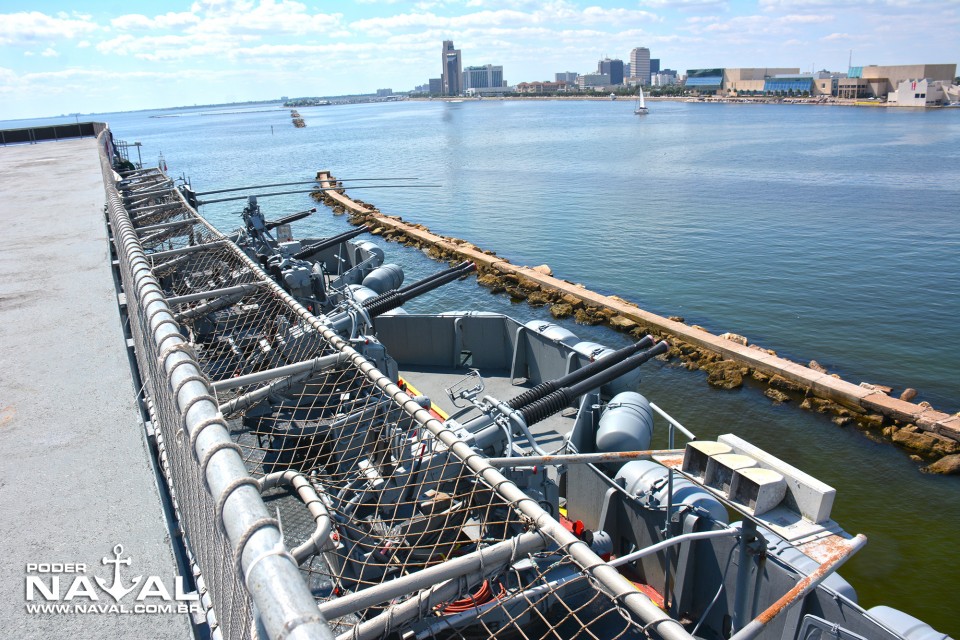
(6, 415)
(826, 548)
(838, 548)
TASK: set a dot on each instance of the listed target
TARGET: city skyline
(62, 60)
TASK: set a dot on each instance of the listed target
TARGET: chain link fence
(310, 487)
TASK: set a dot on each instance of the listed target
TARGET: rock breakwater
(728, 359)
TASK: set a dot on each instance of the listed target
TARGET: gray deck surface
(431, 382)
(75, 474)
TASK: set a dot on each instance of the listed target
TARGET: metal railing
(33, 135)
(231, 535)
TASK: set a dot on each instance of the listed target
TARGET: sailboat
(641, 109)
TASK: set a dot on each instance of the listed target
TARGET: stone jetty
(728, 359)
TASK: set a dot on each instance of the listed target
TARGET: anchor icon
(117, 590)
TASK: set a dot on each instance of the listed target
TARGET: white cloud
(550, 14)
(173, 47)
(217, 28)
(136, 21)
(268, 17)
(49, 52)
(837, 36)
(760, 25)
(687, 5)
(860, 6)
(25, 28)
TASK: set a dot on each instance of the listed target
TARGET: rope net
(393, 500)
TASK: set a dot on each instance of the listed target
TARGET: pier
(917, 427)
(77, 479)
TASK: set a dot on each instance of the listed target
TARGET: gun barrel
(557, 400)
(549, 386)
(393, 299)
(306, 252)
(438, 280)
(293, 217)
(463, 267)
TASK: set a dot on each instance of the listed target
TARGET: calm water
(824, 233)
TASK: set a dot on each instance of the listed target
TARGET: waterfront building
(705, 81)
(451, 71)
(654, 67)
(435, 85)
(542, 87)
(483, 77)
(789, 84)
(640, 64)
(750, 79)
(383, 93)
(918, 93)
(612, 68)
(593, 81)
(570, 77)
(851, 88)
(826, 83)
(881, 80)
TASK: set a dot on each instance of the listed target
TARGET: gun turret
(306, 252)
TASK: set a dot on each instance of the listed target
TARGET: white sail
(641, 104)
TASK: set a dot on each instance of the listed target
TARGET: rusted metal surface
(671, 460)
(841, 552)
(823, 549)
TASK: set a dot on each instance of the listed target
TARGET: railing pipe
(671, 542)
(311, 366)
(487, 559)
(579, 458)
(316, 543)
(211, 293)
(285, 606)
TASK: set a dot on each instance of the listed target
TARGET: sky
(95, 57)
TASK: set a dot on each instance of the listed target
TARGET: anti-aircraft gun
(315, 271)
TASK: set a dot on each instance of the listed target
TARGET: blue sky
(65, 57)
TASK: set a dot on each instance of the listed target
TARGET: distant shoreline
(843, 102)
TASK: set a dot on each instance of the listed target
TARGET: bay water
(826, 233)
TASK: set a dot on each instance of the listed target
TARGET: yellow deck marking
(412, 391)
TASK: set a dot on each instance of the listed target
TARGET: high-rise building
(435, 85)
(612, 68)
(566, 76)
(640, 64)
(654, 66)
(451, 70)
(487, 76)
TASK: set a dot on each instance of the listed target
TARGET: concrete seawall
(917, 427)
